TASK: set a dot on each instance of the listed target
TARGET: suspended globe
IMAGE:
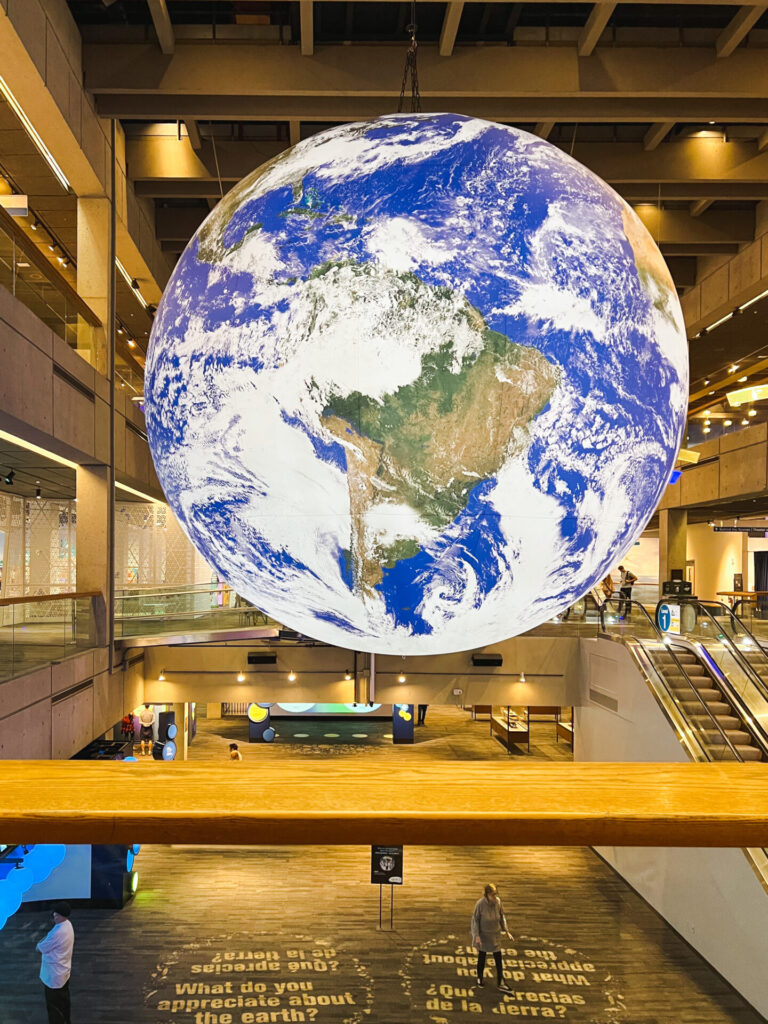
(417, 384)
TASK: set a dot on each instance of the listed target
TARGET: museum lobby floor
(291, 934)
(450, 732)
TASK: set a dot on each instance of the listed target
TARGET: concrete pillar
(673, 529)
(93, 539)
(93, 276)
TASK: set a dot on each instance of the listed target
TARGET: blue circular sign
(169, 751)
(664, 617)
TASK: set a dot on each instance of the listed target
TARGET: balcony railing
(35, 631)
(141, 611)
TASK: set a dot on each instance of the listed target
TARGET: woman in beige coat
(488, 925)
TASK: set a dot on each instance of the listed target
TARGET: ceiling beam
(715, 227)
(686, 170)
(307, 27)
(193, 132)
(598, 18)
(656, 134)
(543, 129)
(691, 191)
(450, 27)
(231, 81)
(738, 28)
(693, 248)
(700, 206)
(161, 19)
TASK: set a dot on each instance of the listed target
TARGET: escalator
(707, 687)
(694, 687)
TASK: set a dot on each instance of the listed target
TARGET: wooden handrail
(59, 282)
(404, 798)
(37, 598)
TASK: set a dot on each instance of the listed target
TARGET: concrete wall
(717, 556)
(56, 710)
(732, 466)
(53, 398)
(723, 283)
(42, 63)
(551, 667)
(713, 898)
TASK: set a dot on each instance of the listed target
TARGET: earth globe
(417, 384)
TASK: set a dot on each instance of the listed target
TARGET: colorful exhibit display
(417, 384)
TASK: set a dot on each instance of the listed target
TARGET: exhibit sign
(402, 723)
(386, 865)
(469, 358)
(668, 618)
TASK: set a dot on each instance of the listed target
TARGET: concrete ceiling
(668, 102)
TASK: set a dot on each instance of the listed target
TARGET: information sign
(668, 618)
(386, 865)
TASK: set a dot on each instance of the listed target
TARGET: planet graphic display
(417, 384)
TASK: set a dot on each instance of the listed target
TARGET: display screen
(330, 709)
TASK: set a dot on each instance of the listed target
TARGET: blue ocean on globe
(417, 384)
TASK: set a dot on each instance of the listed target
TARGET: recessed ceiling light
(706, 383)
(732, 369)
(742, 379)
(744, 422)
(727, 423)
(752, 412)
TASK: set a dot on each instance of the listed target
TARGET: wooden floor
(296, 931)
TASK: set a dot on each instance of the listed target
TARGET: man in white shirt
(56, 967)
(147, 735)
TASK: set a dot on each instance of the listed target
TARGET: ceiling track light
(291, 676)
(38, 493)
(241, 677)
(46, 154)
(8, 478)
(161, 677)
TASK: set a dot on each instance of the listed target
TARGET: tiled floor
(292, 935)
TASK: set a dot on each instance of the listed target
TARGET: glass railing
(35, 631)
(29, 276)
(148, 611)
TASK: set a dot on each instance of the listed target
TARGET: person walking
(488, 925)
(147, 735)
(628, 578)
(56, 966)
(234, 753)
(422, 719)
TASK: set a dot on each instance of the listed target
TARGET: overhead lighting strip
(755, 393)
(139, 494)
(129, 281)
(46, 154)
(36, 449)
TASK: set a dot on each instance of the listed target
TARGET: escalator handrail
(723, 608)
(668, 648)
(748, 669)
